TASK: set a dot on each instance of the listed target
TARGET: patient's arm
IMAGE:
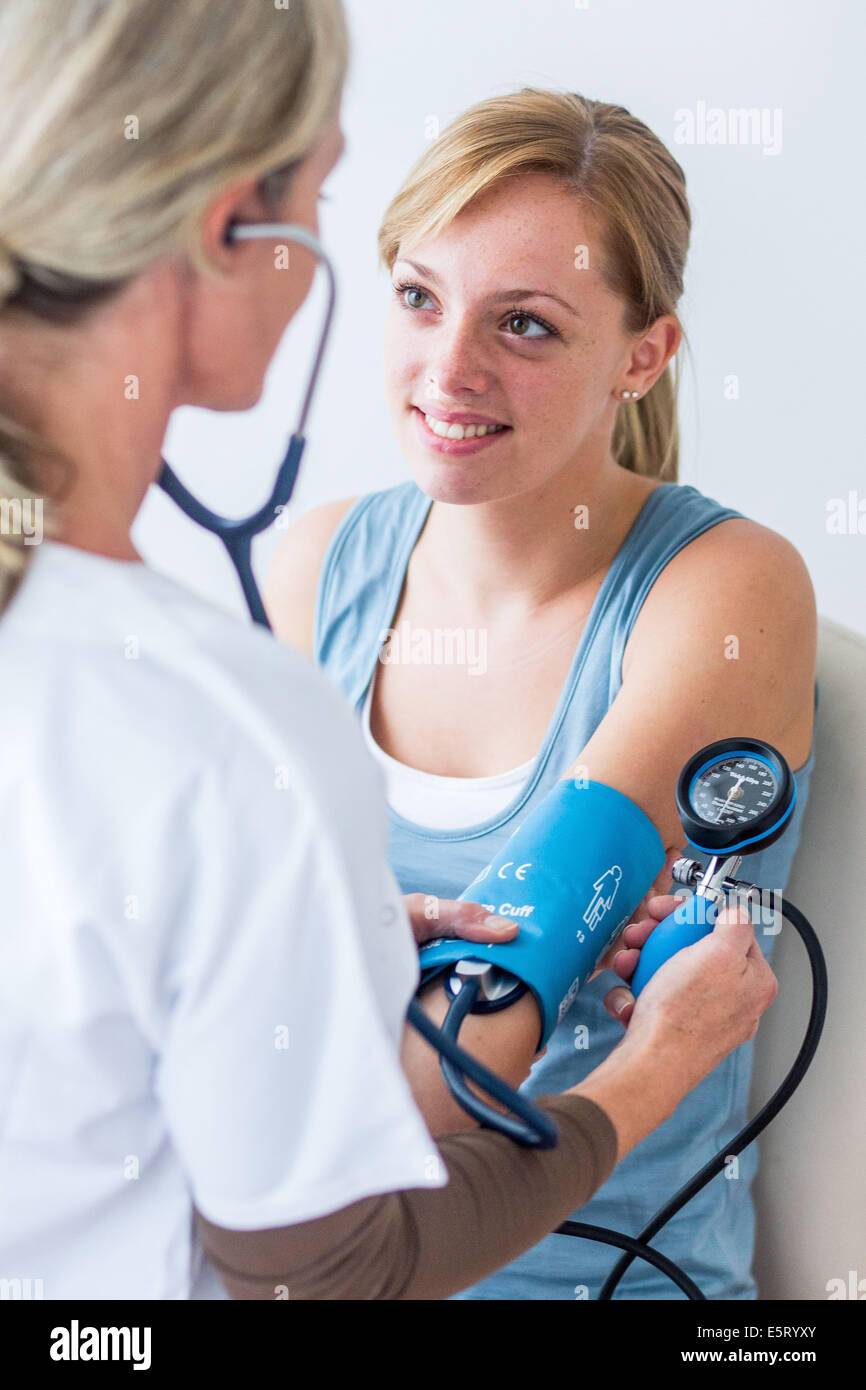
(724, 646)
(682, 690)
(503, 1041)
(506, 1041)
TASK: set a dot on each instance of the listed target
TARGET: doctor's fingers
(625, 954)
(431, 917)
(638, 930)
(620, 1003)
(661, 887)
(622, 956)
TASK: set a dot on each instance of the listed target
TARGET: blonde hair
(119, 121)
(625, 178)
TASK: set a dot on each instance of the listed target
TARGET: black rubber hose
(532, 1128)
(444, 1041)
(637, 1249)
(765, 1114)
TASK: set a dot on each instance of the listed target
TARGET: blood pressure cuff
(571, 875)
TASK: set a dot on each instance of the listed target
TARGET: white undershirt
(442, 803)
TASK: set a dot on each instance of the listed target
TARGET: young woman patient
(543, 597)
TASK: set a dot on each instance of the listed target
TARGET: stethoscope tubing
(237, 534)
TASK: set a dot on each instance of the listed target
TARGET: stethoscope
(717, 829)
(237, 536)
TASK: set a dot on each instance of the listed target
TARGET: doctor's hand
(431, 917)
(624, 954)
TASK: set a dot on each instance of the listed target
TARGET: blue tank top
(712, 1237)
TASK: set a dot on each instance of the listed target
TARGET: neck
(99, 535)
(518, 553)
(113, 462)
(103, 397)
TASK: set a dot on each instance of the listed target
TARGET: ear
(657, 347)
(240, 203)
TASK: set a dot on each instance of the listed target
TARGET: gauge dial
(734, 791)
(735, 796)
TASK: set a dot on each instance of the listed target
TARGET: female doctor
(205, 962)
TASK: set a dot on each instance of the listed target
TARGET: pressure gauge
(735, 796)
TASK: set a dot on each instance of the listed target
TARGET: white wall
(773, 288)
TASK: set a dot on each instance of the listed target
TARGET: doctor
(205, 962)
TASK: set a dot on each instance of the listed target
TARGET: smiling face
(495, 323)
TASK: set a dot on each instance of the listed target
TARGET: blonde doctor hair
(119, 121)
(624, 177)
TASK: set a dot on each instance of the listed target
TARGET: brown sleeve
(427, 1243)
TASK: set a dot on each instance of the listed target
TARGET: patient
(544, 597)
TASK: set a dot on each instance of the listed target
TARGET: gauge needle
(734, 789)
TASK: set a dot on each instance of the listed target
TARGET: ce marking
(519, 872)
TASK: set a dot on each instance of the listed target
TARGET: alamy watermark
(846, 516)
(437, 646)
(733, 125)
(764, 906)
(21, 1290)
(22, 516)
(77, 1343)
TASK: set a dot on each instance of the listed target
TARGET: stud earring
(635, 395)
